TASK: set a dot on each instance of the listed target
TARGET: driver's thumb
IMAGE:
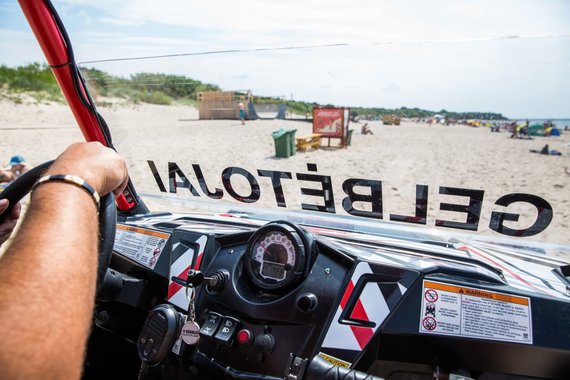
(3, 205)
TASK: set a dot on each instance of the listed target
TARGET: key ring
(191, 310)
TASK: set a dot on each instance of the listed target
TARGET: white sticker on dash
(140, 244)
(456, 310)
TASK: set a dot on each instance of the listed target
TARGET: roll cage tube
(54, 42)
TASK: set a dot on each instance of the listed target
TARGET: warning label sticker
(468, 312)
(140, 244)
(177, 345)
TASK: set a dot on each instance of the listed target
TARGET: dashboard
(242, 298)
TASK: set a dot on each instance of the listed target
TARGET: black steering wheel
(107, 214)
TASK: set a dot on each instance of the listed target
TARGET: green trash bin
(291, 137)
(284, 142)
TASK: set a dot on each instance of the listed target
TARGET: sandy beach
(400, 156)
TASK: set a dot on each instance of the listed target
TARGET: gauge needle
(265, 250)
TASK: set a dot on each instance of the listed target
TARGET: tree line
(160, 88)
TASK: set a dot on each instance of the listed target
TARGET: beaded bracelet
(73, 180)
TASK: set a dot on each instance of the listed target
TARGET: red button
(244, 336)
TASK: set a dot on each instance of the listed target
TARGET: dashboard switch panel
(227, 331)
(211, 325)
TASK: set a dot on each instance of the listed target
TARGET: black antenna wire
(325, 46)
(83, 92)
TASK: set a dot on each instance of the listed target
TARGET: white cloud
(334, 21)
(120, 21)
(468, 74)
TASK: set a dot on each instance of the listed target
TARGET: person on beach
(17, 167)
(366, 130)
(547, 151)
(6, 175)
(8, 225)
(514, 130)
(526, 130)
(52, 265)
(241, 113)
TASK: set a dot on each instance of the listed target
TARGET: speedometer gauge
(276, 255)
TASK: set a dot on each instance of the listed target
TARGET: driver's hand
(10, 221)
(100, 166)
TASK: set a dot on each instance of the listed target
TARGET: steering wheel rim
(107, 214)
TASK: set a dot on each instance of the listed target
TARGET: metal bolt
(193, 371)
(102, 318)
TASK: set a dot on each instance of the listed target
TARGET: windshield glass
(449, 116)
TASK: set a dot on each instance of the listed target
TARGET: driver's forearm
(47, 286)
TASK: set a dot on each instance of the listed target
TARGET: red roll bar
(54, 46)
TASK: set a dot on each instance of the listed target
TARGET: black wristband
(73, 180)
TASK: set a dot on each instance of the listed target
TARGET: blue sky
(430, 54)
